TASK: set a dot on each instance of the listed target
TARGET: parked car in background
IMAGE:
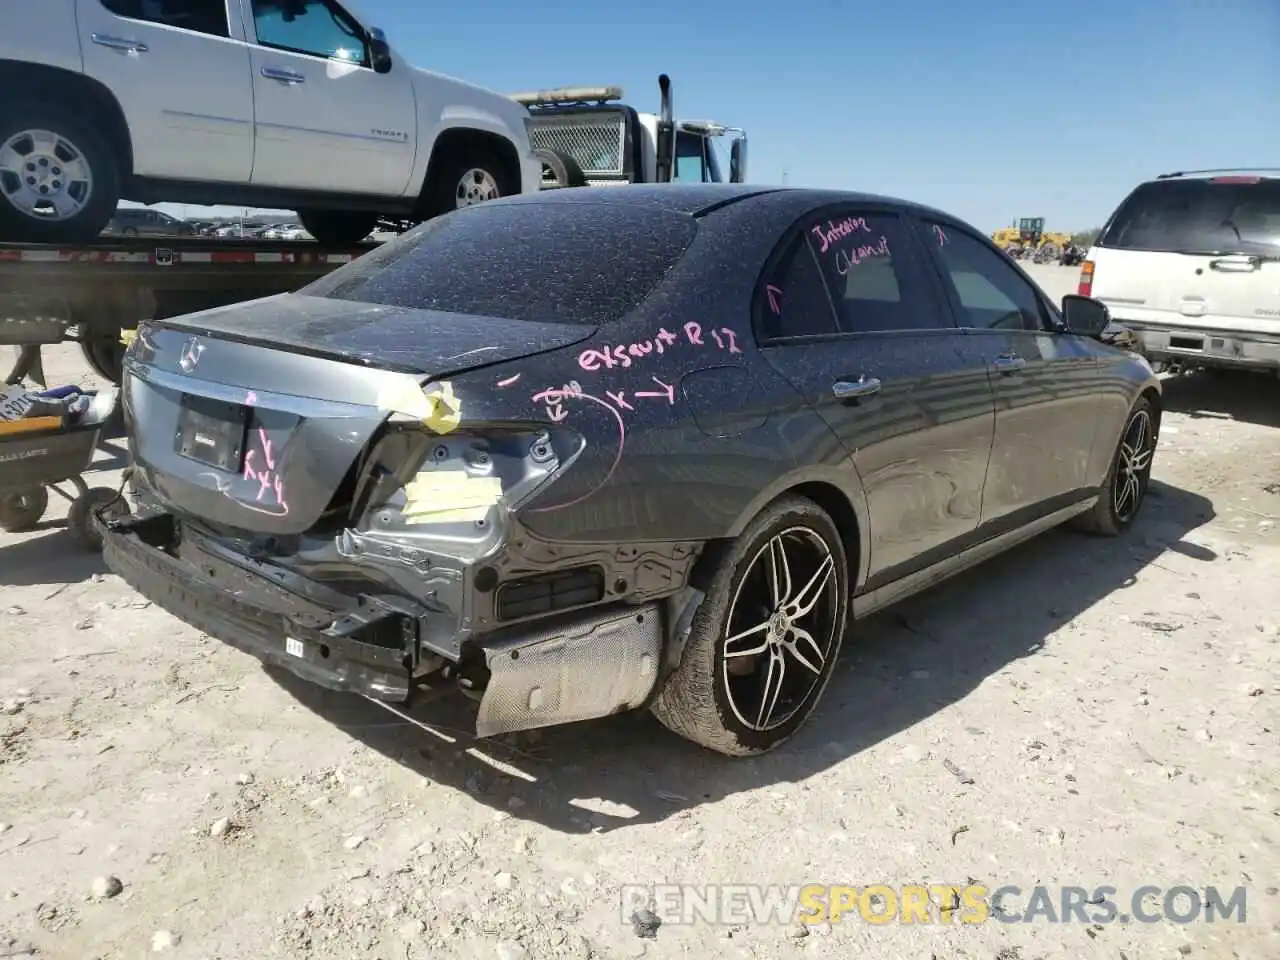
(276, 104)
(285, 231)
(1190, 263)
(522, 449)
(240, 230)
(141, 222)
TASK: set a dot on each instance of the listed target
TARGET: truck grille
(594, 141)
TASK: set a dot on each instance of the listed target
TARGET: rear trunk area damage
(350, 522)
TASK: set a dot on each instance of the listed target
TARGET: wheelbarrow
(42, 452)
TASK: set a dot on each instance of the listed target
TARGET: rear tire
(337, 228)
(467, 177)
(57, 156)
(1126, 485)
(711, 698)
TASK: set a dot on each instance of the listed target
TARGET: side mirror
(738, 161)
(379, 51)
(1084, 315)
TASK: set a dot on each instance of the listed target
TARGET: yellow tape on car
(437, 407)
(449, 496)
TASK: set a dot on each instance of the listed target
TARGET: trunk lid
(254, 417)
(430, 342)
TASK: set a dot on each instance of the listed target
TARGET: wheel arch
(74, 91)
(454, 140)
(1154, 396)
(833, 490)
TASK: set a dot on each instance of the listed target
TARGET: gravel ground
(1078, 712)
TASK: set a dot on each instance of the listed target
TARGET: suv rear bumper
(367, 648)
(1206, 347)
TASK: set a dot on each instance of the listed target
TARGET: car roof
(702, 199)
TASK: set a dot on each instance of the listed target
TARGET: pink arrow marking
(774, 294)
(668, 392)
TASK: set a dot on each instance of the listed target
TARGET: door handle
(1009, 363)
(288, 76)
(118, 43)
(853, 389)
(1235, 264)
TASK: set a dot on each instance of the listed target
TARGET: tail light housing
(446, 485)
(1085, 287)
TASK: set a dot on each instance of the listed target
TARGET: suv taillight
(1085, 287)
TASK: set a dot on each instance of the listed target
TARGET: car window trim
(365, 63)
(796, 230)
(1050, 320)
(146, 21)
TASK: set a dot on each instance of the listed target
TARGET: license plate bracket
(212, 432)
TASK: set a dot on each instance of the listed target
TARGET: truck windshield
(1199, 216)
(566, 261)
(696, 159)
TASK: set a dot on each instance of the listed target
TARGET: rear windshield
(557, 262)
(1199, 216)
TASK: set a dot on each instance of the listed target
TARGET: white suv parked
(286, 104)
(1190, 262)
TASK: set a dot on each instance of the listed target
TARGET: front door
(324, 119)
(180, 69)
(1043, 379)
(857, 323)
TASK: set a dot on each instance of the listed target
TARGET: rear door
(1194, 252)
(853, 318)
(180, 69)
(1045, 381)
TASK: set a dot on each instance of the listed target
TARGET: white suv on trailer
(1190, 262)
(288, 104)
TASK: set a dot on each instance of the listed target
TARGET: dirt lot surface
(1079, 712)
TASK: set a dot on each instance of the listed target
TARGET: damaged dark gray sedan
(593, 451)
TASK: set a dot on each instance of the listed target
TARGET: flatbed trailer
(92, 293)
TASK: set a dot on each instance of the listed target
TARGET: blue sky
(992, 110)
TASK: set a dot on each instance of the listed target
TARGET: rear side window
(1198, 216)
(200, 16)
(874, 275)
(551, 262)
(796, 303)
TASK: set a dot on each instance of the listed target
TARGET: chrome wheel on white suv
(45, 175)
(476, 186)
(59, 181)
(474, 174)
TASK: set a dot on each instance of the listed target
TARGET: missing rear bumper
(577, 667)
(363, 647)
